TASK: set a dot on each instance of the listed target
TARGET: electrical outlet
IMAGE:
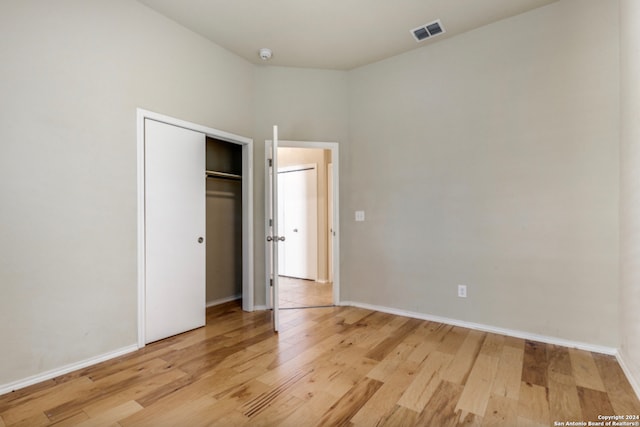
(359, 215)
(462, 291)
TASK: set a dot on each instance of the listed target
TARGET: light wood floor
(295, 293)
(330, 366)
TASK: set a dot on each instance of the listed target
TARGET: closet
(194, 212)
(223, 221)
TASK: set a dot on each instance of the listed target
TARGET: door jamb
(247, 208)
(334, 147)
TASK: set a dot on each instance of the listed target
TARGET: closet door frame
(247, 208)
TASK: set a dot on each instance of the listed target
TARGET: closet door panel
(175, 211)
(298, 213)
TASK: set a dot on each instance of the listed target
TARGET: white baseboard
(632, 377)
(44, 376)
(486, 328)
(223, 300)
(260, 308)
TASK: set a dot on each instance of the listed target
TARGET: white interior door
(330, 218)
(273, 237)
(174, 230)
(298, 221)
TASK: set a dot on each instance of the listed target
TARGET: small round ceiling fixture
(265, 54)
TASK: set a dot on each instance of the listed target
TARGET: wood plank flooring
(297, 293)
(341, 366)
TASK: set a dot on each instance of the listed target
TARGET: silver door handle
(275, 238)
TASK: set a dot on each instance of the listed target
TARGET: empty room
(455, 242)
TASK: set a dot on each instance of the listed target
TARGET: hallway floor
(296, 293)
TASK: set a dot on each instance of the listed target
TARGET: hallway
(296, 293)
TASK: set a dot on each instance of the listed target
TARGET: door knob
(200, 239)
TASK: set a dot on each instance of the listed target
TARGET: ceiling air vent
(428, 30)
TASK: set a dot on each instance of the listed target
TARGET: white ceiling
(331, 34)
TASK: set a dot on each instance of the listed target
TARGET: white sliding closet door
(175, 230)
(298, 221)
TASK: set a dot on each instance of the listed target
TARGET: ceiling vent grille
(426, 31)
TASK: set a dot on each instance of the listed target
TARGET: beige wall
(307, 105)
(630, 187)
(288, 156)
(491, 159)
(71, 77)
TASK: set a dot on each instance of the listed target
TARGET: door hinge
(270, 162)
(270, 223)
(270, 282)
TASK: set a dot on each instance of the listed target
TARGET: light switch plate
(359, 215)
(462, 291)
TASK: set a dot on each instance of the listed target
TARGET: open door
(330, 219)
(273, 237)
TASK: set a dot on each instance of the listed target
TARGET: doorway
(223, 221)
(303, 212)
(299, 208)
(148, 249)
(297, 162)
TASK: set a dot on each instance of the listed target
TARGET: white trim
(486, 328)
(44, 376)
(267, 226)
(248, 251)
(260, 307)
(334, 147)
(215, 133)
(141, 227)
(634, 380)
(247, 208)
(223, 300)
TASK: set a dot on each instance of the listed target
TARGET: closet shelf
(216, 174)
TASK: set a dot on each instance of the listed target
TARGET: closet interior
(224, 221)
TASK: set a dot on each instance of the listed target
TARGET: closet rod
(216, 174)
